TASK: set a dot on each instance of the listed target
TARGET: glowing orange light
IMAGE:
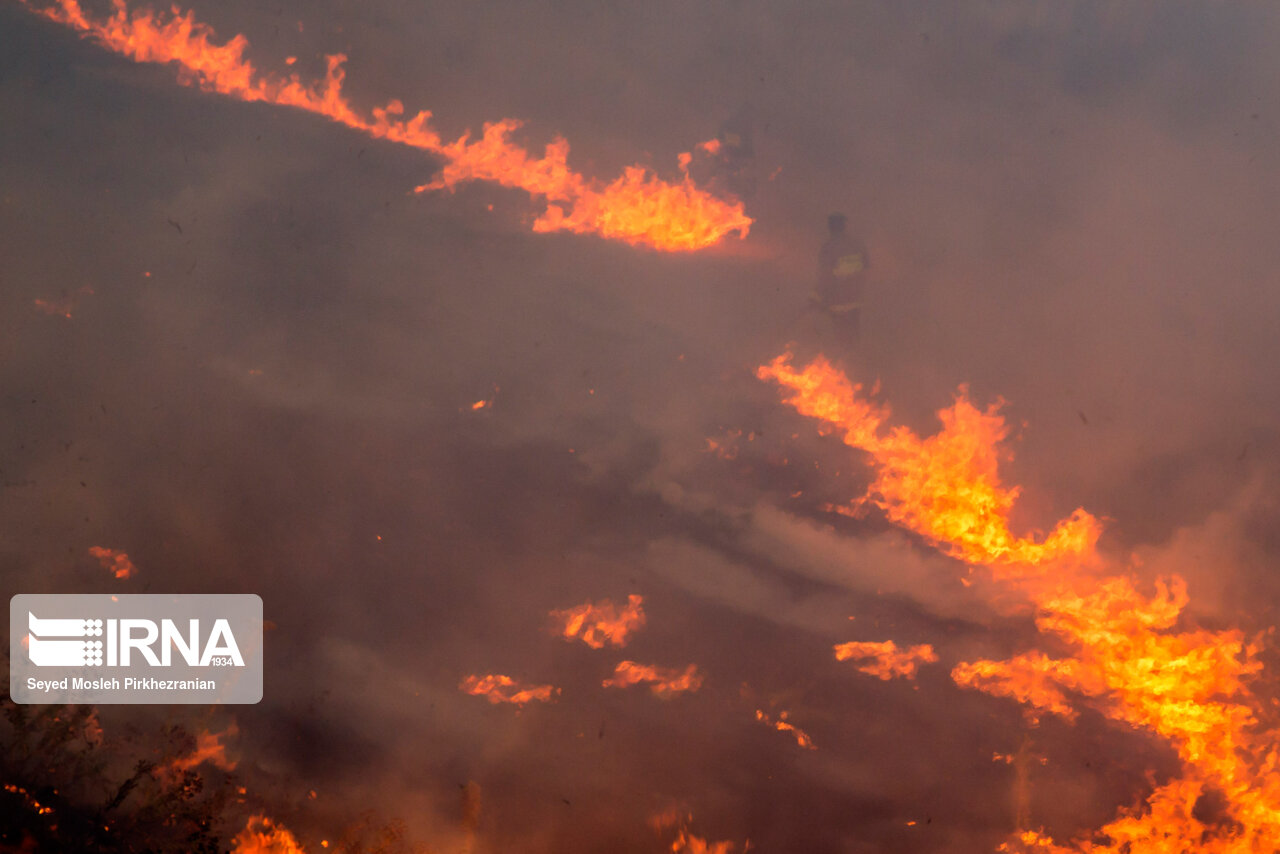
(497, 688)
(637, 207)
(603, 622)
(784, 725)
(117, 563)
(1126, 656)
(210, 748)
(664, 682)
(261, 835)
(885, 659)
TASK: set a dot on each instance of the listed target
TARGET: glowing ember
(1126, 659)
(726, 447)
(783, 725)
(637, 207)
(261, 835)
(885, 659)
(663, 681)
(497, 688)
(64, 305)
(603, 622)
(117, 563)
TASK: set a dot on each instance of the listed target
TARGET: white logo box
(135, 648)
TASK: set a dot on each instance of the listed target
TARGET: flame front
(663, 681)
(1127, 659)
(497, 688)
(603, 622)
(637, 207)
(885, 659)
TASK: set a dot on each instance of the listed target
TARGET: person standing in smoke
(842, 267)
(736, 141)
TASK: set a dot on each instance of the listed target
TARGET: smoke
(269, 388)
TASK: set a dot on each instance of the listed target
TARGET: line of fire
(665, 427)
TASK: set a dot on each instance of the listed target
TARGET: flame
(637, 207)
(497, 688)
(685, 842)
(115, 562)
(596, 624)
(945, 487)
(209, 748)
(783, 725)
(1127, 655)
(885, 659)
(93, 733)
(664, 682)
(261, 835)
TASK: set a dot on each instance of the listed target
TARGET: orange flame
(945, 487)
(664, 682)
(497, 688)
(209, 748)
(885, 659)
(596, 624)
(637, 207)
(685, 842)
(115, 562)
(261, 835)
(783, 725)
(1126, 658)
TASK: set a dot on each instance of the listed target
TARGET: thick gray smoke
(270, 390)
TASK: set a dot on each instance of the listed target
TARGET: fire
(497, 688)
(783, 725)
(685, 842)
(117, 563)
(664, 682)
(945, 487)
(885, 659)
(1129, 654)
(210, 748)
(638, 207)
(600, 623)
(261, 835)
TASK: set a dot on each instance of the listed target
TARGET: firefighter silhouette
(842, 269)
(737, 154)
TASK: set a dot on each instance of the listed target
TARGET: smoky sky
(1068, 206)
